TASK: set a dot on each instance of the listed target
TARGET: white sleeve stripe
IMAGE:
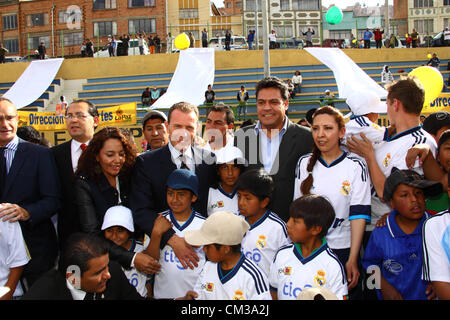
(425, 265)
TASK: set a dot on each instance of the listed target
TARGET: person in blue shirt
(396, 248)
(367, 35)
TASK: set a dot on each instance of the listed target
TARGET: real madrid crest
(345, 188)
(319, 279)
(387, 160)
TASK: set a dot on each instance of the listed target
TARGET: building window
(12, 45)
(38, 19)
(140, 3)
(10, 22)
(34, 42)
(423, 3)
(446, 24)
(250, 5)
(188, 13)
(284, 5)
(69, 16)
(238, 4)
(228, 4)
(424, 26)
(283, 31)
(72, 39)
(142, 25)
(104, 4)
(305, 4)
(446, 2)
(340, 34)
(105, 28)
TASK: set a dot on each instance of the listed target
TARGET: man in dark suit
(84, 273)
(148, 183)
(81, 121)
(29, 193)
(275, 143)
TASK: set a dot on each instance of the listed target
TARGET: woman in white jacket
(386, 76)
(297, 81)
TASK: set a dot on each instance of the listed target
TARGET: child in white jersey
(228, 274)
(174, 280)
(118, 227)
(230, 164)
(308, 262)
(267, 231)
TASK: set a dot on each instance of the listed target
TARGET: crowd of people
(264, 211)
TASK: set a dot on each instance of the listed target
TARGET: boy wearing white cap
(174, 280)
(228, 275)
(230, 164)
(365, 107)
(118, 227)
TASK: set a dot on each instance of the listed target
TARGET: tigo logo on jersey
(261, 242)
(319, 280)
(238, 295)
(387, 160)
(345, 189)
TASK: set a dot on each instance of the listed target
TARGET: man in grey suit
(275, 143)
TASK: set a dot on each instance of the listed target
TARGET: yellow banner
(442, 103)
(121, 115)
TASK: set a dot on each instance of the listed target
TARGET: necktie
(2, 169)
(83, 146)
(183, 162)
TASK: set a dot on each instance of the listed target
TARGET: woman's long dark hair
(88, 165)
(306, 185)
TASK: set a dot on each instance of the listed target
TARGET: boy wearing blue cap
(174, 280)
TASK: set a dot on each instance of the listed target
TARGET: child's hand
(190, 295)
(382, 221)
(161, 225)
(431, 294)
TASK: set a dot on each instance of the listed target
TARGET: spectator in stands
(157, 41)
(272, 40)
(408, 40)
(155, 95)
(378, 36)
(146, 97)
(111, 46)
(446, 35)
(434, 61)
(327, 99)
(204, 38)
(169, 43)
(386, 76)
(367, 36)
(250, 39)
(291, 89)
(210, 95)
(151, 44)
(242, 97)
(125, 44)
(191, 40)
(414, 38)
(297, 80)
(141, 42)
(83, 49)
(228, 40)
(393, 41)
(41, 51)
(3, 52)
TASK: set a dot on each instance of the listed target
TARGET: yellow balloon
(182, 41)
(429, 56)
(354, 40)
(432, 82)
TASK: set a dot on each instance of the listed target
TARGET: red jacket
(378, 34)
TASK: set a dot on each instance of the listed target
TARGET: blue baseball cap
(183, 179)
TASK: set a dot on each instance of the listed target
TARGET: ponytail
(306, 184)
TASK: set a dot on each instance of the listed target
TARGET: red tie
(83, 146)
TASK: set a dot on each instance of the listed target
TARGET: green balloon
(334, 15)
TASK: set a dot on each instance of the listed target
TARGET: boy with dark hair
(396, 248)
(267, 231)
(308, 261)
(182, 192)
(228, 275)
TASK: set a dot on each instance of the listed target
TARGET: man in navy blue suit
(29, 193)
(152, 168)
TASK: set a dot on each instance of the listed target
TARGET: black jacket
(52, 286)
(93, 198)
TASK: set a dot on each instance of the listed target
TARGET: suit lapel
(286, 146)
(16, 165)
(166, 161)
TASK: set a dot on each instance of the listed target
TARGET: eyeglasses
(8, 117)
(79, 116)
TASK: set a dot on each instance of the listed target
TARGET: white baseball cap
(221, 227)
(229, 154)
(363, 102)
(313, 293)
(118, 216)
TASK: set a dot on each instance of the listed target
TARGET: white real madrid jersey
(345, 183)
(362, 124)
(436, 248)
(263, 240)
(244, 282)
(173, 280)
(134, 276)
(392, 154)
(220, 200)
(290, 273)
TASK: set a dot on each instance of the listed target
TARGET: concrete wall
(85, 68)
